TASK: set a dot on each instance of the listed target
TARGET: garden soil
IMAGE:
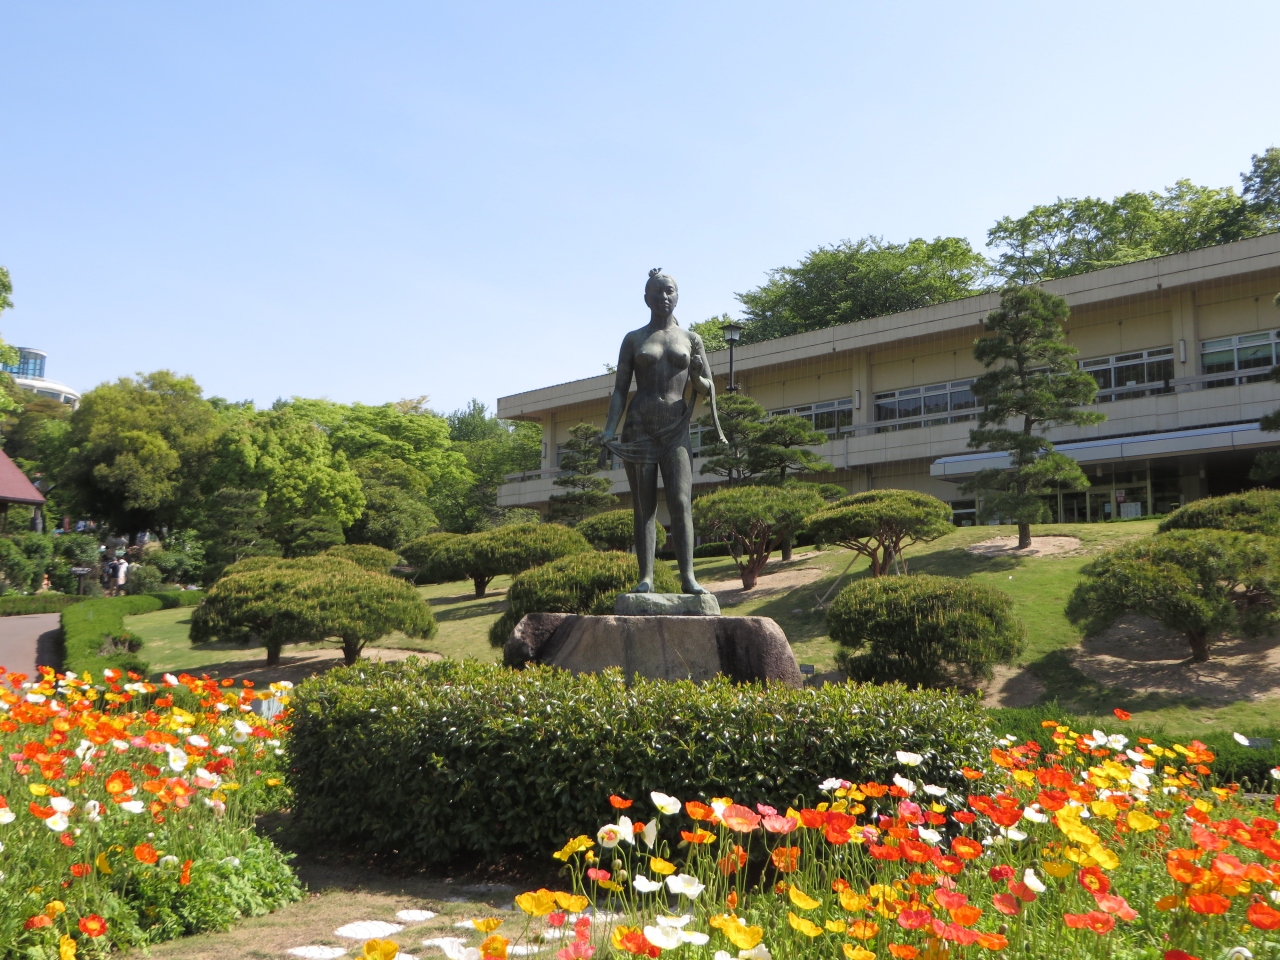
(772, 581)
(1139, 654)
(1040, 547)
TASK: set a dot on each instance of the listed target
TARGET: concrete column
(1185, 331)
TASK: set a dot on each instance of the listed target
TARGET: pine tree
(742, 421)
(1038, 382)
(579, 463)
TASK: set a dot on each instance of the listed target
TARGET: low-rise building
(1182, 348)
(28, 373)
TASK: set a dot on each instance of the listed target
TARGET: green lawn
(1039, 587)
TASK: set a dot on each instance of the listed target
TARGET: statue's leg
(643, 478)
(677, 478)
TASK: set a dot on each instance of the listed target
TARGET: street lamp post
(732, 334)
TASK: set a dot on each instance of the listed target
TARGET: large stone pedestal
(666, 605)
(658, 647)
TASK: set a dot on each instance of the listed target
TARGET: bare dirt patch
(1012, 687)
(1139, 654)
(794, 574)
(1040, 547)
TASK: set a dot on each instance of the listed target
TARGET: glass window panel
(935, 403)
(1125, 357)
(886, 409)
(1103, 377)
(826, 420)
(1159, 371)
(1129, 374)
(847, 402)
(1254, 338)
(909, 393)
(963, 400)
(1219, 361)
(1222, 344)
(936, 388)
(1256, 356)
(909, 407)
(961, 383)
(801, 411)
(824, 406)
(1165, 352)
(1104, 362)
(845, 418)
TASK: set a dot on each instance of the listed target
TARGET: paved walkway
(26, 641)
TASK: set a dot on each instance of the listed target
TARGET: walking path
(27, 641)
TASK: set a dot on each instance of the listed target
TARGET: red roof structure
(14, 485)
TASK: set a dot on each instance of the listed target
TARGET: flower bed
(1095, 847)
(476, 761)
(126, 811)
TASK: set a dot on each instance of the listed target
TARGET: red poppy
(948, 863)
(557, 918)
(884, 852)
(1178, 955)
(1122, 714)
(1262, 916)
(1114, 903)
(739, 818)
(1001, 872)
(81, 869)
(39, 920)
(1007, 904)
(966, 849)
(618, 803)
(914, 919)
(93, 925)
(1209, 903)
(950, 899)
(964, 816)
(598, 875)
(1094, 880)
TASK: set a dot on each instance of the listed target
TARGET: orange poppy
(1262, 916)
(618, 803)
(874, 789)
(785, 858)
(1209, 903)
(732, 862)
(903, 951)
(992, 941)
(146, 853)
(698, 836)
(93, 925)
(739, 818)
(966, 848)
(1095, 920)
(1122, 714)
(863, 929)
(699, 811)
(966, 915)
(971, 774)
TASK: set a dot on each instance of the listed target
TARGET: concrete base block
(657, 647)
(666, 605)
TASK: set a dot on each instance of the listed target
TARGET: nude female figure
(664, 358)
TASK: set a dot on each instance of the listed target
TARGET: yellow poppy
(573, 902)
(379, 950)
(857, 953)
(101, 861)
(807, 927)
(802, 899)
(1140, 822)
(537, 903)
(661, 867)
(487, 925)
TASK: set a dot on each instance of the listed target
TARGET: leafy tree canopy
(880, 524)
(492, 448)
(755, 519)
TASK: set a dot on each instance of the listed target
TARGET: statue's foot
(691, 586)
(644, 586)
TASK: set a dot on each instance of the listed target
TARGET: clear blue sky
(374, 200)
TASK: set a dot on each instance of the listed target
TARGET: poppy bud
(621, 875)
(1003, 929)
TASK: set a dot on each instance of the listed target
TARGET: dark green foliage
(917, 630)
(475, 761)
(366, 555)
(1198, 582)
(144, 578)
(742, 422)
(715, 548)
(392, 516)
(1256, 511)
(1035, 384)
(756, 520)
(579, 462)
(493, 449)
(89, 629)
(585, 583)
(309, 536)
(855, 280)
(309, 599)
(236, 521)
(38, 549)
(780, 447)
(880, 524)
(16, 606)
(479, 557)
(417, 553)
(615, 530)
(78, 549)
(16, 568)
(182, 559)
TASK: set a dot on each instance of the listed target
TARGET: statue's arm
(702, 382)
(621, 387)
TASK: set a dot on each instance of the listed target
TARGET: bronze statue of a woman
(665, 359)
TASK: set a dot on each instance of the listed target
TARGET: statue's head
(661, 292)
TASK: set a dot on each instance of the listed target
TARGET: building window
(925, 406)
(832, 417)
(30, 366)
(964, 513)
(1126, 376)
(1253, 354)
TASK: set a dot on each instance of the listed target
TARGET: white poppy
(178, 760)
(170, 680)
(168, 861)
(1013, 833)
(645, 885)
(930, 836)
(196, 740)
(694, 937)
(909, 759)
(85, 748)
(664, 803)
(722, 955)
(907, 786)
(833, 783)
(685, 884)
(93, 810)
(935, 791)
(610, 835)
(1032, 881)
(58, 822)
(133, 806)
(1035, 816)
(664, 938)
(674, 921)
(758, 952)
(62, 804)
(650, 833)
(234, 863)
(1241, 739)
(242, 731)
(6, 815)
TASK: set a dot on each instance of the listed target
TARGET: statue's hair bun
(655, 272)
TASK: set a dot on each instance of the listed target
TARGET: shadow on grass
(957, 562)
(478, 609)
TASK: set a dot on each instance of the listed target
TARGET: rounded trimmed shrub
(585, 583)
(1256, 511)
(880, 524)
(615, 530)
(377, 559)
(418, 553)
(755, 521)
(479, 557)
(918, 629)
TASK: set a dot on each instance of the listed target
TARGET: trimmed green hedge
(446, 760)
(90, 628)
(37, 603)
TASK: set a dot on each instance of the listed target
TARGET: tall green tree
(579, 462)
(493, 448)
(742, 423)
(855, 280)
(1035, 384)
(780, 447)
(234, 526)
(135, 451)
